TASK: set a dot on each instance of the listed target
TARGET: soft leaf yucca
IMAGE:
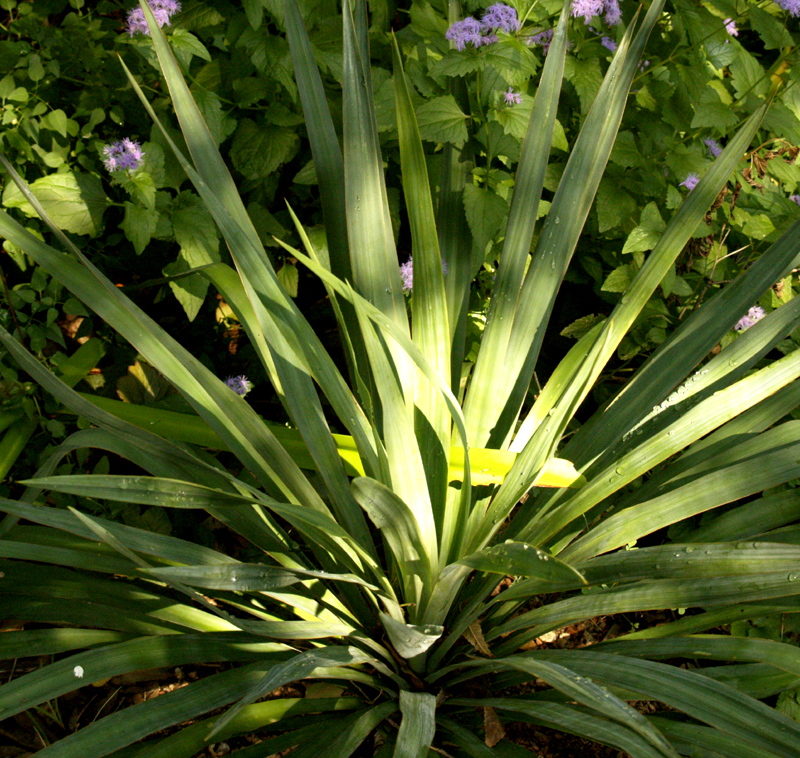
(379, 574)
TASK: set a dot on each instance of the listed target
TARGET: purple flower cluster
(542, 38)
(730, 27)
(609, 44)
(498, 16)
(792, 6)
(591, 8)
(795, 198)
(714, 149)
(756, 313)
(690, 182)
(512, 98)
(122, 155)
(407, 274)
(163, 10)
(241, 385)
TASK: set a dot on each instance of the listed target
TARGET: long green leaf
(417, 726)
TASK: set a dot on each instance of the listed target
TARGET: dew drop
(793, 576)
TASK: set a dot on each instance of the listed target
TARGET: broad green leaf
(441, 120)
(75, 201)
(485, 211)
(139, 225)
(259, 149)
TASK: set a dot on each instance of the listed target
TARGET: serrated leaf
(711, 112)
(625, 152)
(618, 280)
(457, 64)
(219, 123)
(585, 76)
(186, 45)
(514, 120)
(289, 278)
(647, 234)
(75, 201)
(139, 225)
(769, 28)
(258, 150)
(485, 212)
(441, 120)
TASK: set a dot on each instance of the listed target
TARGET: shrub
(379, 574)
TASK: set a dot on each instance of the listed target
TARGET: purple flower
(542, 38)
(690, 182)
(163, 10)
(713, 147)
(489, 39)
(613, 13)
(795, 198)
(643, 65)
(500, 16)
(793, 6)
(512, 98)
(468, 30)
(123, 155)
(587, 8)
(730, 27)
(609, 44)
(241, 385)
(407, 273)
(756, 313)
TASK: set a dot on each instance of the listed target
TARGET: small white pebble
(78, 671)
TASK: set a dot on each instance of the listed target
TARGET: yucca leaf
(192, 739)
(641, 596)
(688, 737)
(125, 727)
(417, 726)
(716, 647)
(401, 530)
(483, 392)
(410, 640)
(98, 664)
(349, 733)
(247, 577)
(502, 375)
(689, 344)
(579, 689)
(578, 721)
(773, 464)
(753, 518)
(298, 667)
(376, 274)
(687, 427)
(431, 328)
(487, 466)
(265, 293)
(521, 559)
(710, 702)
(53, 641)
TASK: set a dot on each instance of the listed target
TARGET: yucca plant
(379, 573)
